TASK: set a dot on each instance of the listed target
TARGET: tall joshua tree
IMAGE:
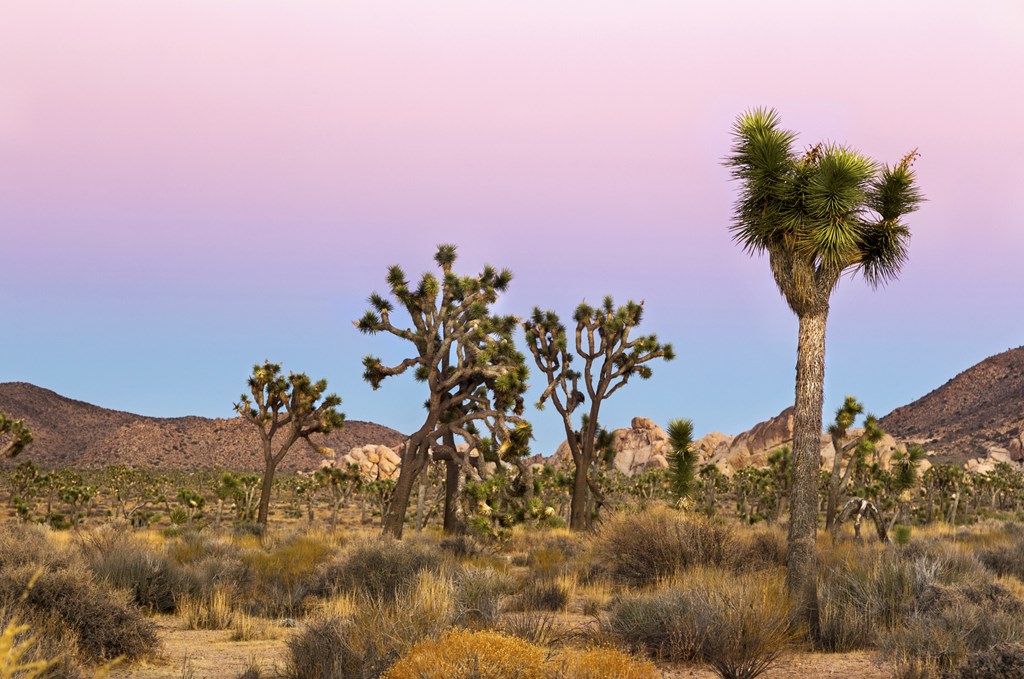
(285, 410)
(610, 358)
(14, 436)
(462, 352)
(817, 215)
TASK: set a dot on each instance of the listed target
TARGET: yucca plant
(682, 458)
(817, 215)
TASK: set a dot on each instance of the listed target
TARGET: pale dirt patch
(211, 654)
(860, 664)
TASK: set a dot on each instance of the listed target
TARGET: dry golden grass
(214, 611)
(601, 662)
(463, 654)
(245, 627)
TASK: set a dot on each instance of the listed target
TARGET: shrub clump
(463, 654)
(640, 549)
(954, 622)
(105, 624)
(379, 569)
(376, 633)
(738, 624)
(600, 662)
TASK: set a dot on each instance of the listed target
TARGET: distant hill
(71, 433)
(979, 410)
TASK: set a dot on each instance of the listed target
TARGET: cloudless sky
(191, 186)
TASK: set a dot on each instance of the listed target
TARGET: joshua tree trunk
(834, 484)
(801, 557)
(454, 484)
(579, 513)
(413, 462)
(267, 487)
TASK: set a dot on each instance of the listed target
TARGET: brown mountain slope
(979, 410)
(71, 433)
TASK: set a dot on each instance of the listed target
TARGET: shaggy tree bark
(801, 557)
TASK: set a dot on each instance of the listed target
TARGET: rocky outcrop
(374, 461)
(643, 445)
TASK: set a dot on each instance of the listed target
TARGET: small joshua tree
(464, 355)
(862, 447)
(14, 436)
(610, 358)
(284, 410)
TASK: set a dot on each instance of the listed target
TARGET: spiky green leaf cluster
(818, 214)
(682, 458)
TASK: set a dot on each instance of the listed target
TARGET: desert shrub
(656, 623)
(952, 622)
(640, 549)
(379, 568)
(541, 595)
(277, 581)
(601, 662)
(1004, 660)
(479, 592)
(738, 624)
(324, 650)
(461, 546)
(37, 647)
(246, 627)
(1005, 559)
(207, 611)
(120, 559)
(252, 671)
(463, 654)
(543, 629)
(762, 548)
(23, 544)
(376, 635)
(328, 648)
(105, 624)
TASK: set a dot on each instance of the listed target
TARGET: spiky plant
(611, 356)
(817, 215)
(846, 415)
(465, 356)
(285, 410)
(14, 436)
(682, 459)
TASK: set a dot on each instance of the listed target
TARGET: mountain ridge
(73, 433)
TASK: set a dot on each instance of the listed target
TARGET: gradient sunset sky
(188, 187)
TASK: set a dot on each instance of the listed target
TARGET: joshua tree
(817, 215)
(461, 351)
(341, 483)
(905, 465)
(287, 407)
(610, 358)
(682, 462)
(862, 446)
(14, 436)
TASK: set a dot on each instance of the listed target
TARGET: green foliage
(818, 213)
(14, 436)
(682, 458)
